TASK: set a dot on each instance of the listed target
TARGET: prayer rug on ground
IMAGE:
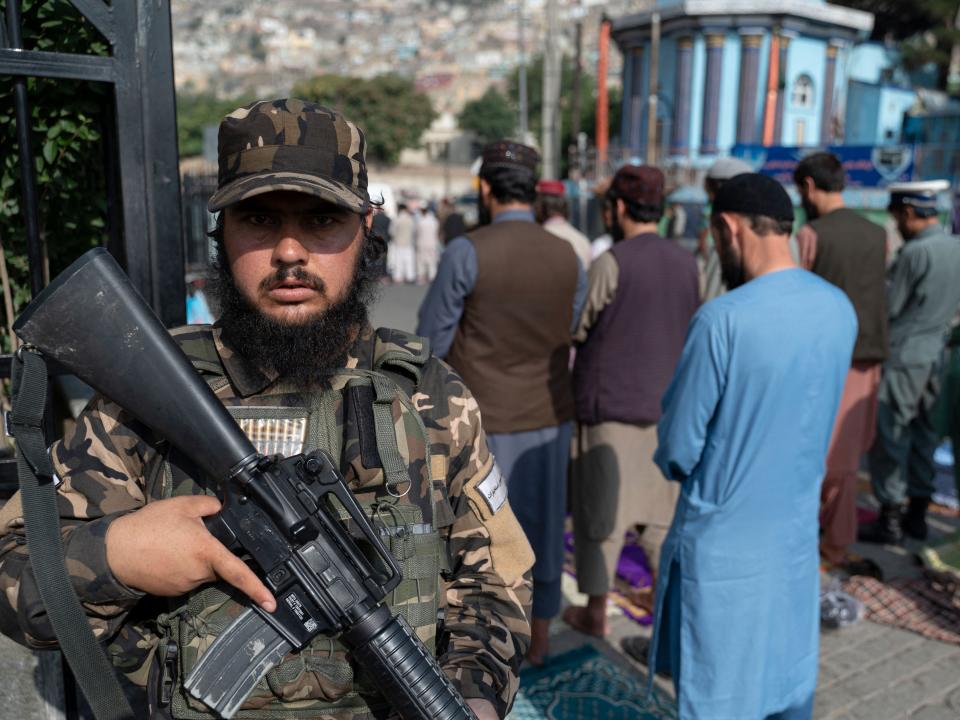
(582, 684)
(633, 583)
(929, 605)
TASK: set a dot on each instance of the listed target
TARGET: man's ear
(809, 185)
(368, 218)
(484, 189)
(621, 210)
(732, 224)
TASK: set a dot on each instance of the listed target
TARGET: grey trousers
(901, 459)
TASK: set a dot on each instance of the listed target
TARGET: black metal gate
(142, 176)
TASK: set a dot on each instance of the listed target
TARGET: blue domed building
(740, 72)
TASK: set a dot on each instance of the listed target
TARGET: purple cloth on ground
(633, 567)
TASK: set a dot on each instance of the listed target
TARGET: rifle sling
(92, 670)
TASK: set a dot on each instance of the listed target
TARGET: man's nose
(289, 250)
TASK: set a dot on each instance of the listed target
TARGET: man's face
(906, 221)
(617, 211)
(291, 255)
(805, 188)
(731, 259)
(606, 214)
(484, 216)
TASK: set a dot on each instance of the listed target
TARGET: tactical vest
(367, 419)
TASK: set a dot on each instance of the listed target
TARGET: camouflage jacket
(103, 467)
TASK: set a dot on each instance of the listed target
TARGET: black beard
(732, 273)
(731, 265)
(306, 353)
(809, 209)
(616, 229)
(483, 211)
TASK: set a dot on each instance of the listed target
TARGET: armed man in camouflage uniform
(295, 360)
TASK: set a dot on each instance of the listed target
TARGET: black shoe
(638, 647)
(885, 530)
(914, 521)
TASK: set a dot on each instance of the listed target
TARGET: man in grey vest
(501, 311)
(641, 296)
(924, 294)
(846, 249)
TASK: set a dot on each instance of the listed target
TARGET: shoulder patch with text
(494, 489)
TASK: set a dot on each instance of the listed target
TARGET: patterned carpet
(582, 684)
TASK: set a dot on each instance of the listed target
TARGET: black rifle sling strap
(93, 672)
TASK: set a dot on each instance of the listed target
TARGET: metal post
(602, 122)
(146, 131)
(953, 69)
(773, 80)
(551, 96)
(577, 81)
(582, 199)
(28, 175)
(522, 75)
(653, 84)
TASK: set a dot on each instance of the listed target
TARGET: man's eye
(321, 220)
(259, 219)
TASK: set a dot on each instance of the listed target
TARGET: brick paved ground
(867, 671)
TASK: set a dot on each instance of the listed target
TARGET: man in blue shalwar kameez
(747, 420)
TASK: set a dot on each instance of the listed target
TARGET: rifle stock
(93, 322)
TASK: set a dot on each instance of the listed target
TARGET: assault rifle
(282, 512)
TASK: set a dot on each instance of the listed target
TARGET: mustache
(296, 273)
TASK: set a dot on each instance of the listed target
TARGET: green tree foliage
(388, 108)
(195, 111)
(926, 28)
(66, 119)
(491, 117)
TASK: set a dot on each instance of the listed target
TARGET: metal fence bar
(28, 178)
(67, 66)
(146, 134)
(139, 149)
(100, 15)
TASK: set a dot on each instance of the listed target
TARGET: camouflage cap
(290, 145)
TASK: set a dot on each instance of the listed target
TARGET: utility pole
(953, 72)
(577, 75)
(602, 130)
(522, 75)
(653, 82)
(551, 96)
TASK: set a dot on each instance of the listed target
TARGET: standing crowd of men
(415, 239)
(707, 396)
(693, 399)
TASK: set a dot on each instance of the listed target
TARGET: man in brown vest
(846, 249)
(640, 298)
(501, 311)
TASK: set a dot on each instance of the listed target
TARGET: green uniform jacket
(103, 464)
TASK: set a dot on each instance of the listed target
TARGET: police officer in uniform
(296, 262)
(923, 297)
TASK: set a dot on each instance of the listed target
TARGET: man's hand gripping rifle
(328, 576)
